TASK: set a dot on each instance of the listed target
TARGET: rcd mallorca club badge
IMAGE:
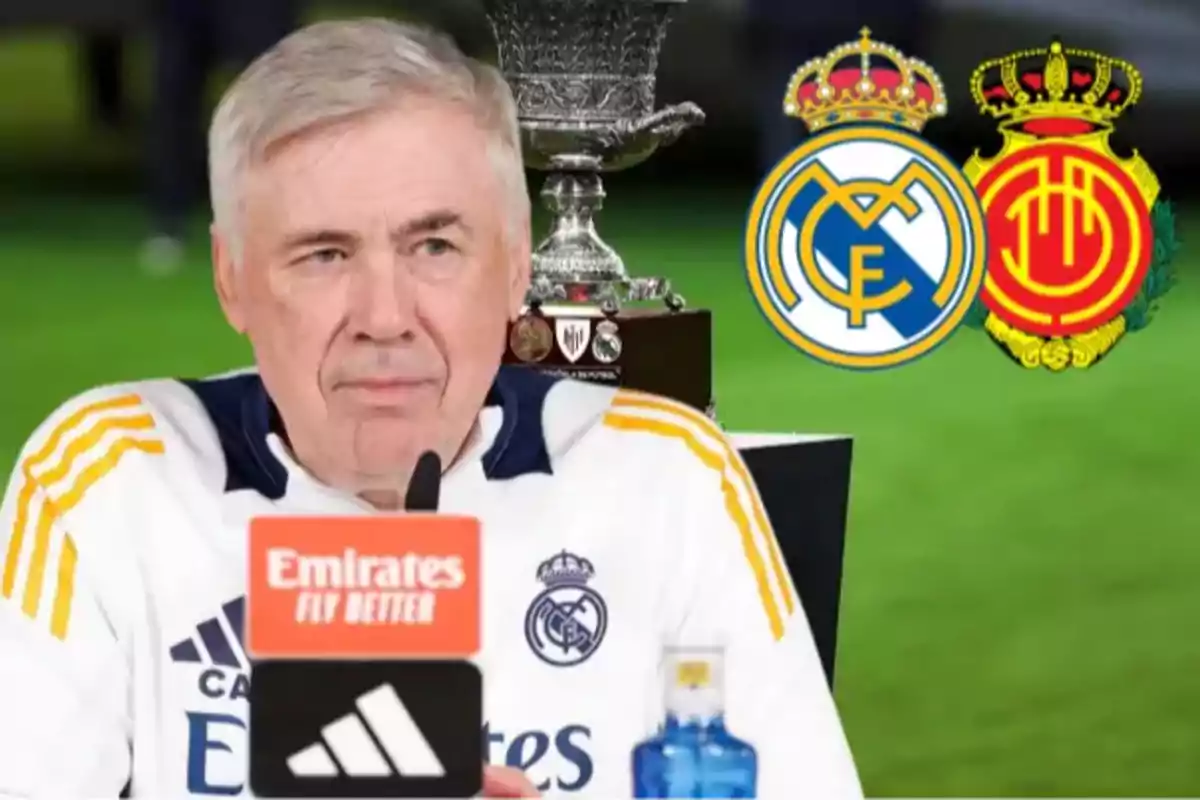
(865, 246)
(1080, 251)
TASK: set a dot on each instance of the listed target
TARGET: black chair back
(805, 487)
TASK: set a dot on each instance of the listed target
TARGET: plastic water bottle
(693, 754)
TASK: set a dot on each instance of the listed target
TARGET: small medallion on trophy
(606, 346)
(531, 339)
(573, 336)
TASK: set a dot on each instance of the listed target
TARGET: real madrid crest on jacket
(1080, 250)
(567, 620)
(865, 247)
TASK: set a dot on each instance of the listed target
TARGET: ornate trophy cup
(583, 74)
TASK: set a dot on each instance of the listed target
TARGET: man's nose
(383, 305)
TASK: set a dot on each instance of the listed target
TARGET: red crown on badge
(1055, 90)
(865, 81)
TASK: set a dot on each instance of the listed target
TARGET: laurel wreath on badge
(1085, 349)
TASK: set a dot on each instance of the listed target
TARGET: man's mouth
(386, 384)
(386, 392)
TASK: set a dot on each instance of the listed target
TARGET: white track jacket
(122, 579)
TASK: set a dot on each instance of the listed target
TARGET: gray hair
(333, 71)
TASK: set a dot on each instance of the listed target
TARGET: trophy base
(608, 292)
(659, 351)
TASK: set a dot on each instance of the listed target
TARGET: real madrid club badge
(865, 246)
(531, 339)
(606, 344)
(566, 622)
(1080, 251)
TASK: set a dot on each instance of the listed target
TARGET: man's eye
(434, 246)
(327, 255)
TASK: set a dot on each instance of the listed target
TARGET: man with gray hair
(371, 239)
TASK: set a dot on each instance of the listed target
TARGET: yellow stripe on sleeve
(71, 498)
(55, 504)
(88, 441)
(17, 540)
(714, 460)
(29, 483)
(37, 562)
(639, 400)
(60, 617)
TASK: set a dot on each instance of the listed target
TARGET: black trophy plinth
(652, 350)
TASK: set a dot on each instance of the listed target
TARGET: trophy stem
(573, 252)
(573, 263)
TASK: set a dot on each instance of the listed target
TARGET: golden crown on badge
(865, 81)
(1070, 83)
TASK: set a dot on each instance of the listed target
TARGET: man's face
(378, 272)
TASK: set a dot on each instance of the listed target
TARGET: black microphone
(426, 485)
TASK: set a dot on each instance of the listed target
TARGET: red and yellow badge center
(1069, 239)
(364, 587)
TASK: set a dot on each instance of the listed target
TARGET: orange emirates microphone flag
(404, 586)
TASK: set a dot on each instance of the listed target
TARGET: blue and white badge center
(866, 247)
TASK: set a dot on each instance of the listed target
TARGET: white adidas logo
(347, 739)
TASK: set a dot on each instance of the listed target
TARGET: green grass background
(1021, 587)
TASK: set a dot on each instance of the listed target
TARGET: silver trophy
(582, 72)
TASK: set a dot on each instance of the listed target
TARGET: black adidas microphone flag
(425, 487)
(415, 723)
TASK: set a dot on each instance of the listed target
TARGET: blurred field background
(1021, 587)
